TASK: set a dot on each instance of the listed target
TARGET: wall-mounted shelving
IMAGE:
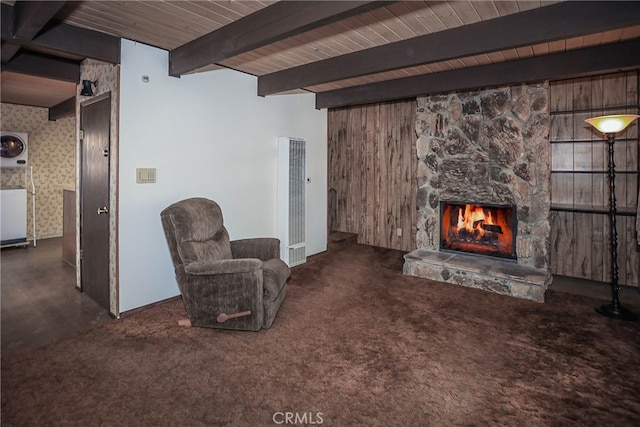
(579, 177)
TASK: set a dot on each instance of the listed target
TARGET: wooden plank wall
(580, 240)
(372, 168)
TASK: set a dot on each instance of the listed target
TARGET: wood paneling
(169, 24)
(580, 236)
(464, 45)
(372, 164)
(580, 247)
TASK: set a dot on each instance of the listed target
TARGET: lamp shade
(612, 124)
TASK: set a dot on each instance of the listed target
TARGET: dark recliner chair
(224, 284)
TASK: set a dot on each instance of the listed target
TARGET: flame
(473, 218)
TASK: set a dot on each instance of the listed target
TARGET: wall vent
(292, 165)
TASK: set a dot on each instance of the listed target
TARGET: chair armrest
(227, 266)
(264, 248)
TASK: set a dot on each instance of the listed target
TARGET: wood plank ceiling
(353, 52)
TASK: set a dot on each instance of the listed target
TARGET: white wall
(208, 135)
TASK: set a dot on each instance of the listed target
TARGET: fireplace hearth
(480, 229)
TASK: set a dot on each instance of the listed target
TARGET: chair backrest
(195, 231)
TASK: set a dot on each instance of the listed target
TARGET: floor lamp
(609, 126)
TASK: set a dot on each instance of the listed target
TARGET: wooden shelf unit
(579, 177)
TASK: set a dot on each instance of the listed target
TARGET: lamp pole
(609, 126)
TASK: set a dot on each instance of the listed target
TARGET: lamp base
(617, 312)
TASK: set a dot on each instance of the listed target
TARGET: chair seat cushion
(275, 273)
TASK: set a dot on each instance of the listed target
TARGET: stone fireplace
(486, 149)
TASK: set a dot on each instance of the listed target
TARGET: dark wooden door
(95, 117)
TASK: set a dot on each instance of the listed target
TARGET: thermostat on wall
(145, 175)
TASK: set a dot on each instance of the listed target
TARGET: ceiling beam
(65, 39)
(268, 25)
(64, 109)
(7, 20)
(81, 42)
(44, 66)
(556, 66)
(555, 22)
(29, 17)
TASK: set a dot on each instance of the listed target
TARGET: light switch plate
(145, 175)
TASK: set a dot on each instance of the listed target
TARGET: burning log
(491, 227)
(487, 227)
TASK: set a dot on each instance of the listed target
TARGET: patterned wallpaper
(52, 155)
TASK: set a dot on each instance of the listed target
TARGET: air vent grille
(292, 179)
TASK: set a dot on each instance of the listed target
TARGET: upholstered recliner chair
(224, 284)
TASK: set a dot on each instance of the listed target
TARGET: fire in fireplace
(480, 229)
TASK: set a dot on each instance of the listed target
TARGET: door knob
(103, 210)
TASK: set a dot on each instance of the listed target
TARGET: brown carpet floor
(356, 343)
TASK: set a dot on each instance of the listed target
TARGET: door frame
(113, 277)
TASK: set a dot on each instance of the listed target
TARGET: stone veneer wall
(489, 146)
